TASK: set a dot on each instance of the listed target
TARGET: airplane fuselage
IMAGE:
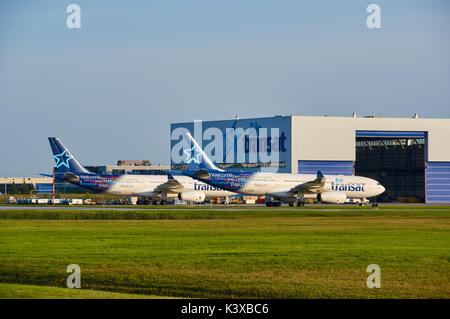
(144, 185)
(68, 168)
(282, 183)
(352, 186)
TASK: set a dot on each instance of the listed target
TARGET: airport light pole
(53, 188)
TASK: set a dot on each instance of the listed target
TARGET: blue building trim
(399, 134)
(326, 167)
(438, 182)
(44, 188)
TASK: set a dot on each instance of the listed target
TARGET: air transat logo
(350, 187)
(192, 158)
(63, 159)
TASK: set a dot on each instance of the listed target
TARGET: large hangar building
(409, 156)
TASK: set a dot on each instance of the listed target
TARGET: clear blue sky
(111, 89)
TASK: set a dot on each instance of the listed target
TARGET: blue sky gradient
(111, 89)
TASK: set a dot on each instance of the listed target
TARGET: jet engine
(332, 197)
(192, 196)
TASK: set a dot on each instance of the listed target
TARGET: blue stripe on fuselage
(231, 181)
(98, 183)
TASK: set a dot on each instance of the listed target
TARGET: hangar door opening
(396, 160)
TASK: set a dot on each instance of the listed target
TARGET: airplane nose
(382, 189)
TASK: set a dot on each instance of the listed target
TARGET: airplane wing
(172, 185)
(314, 186)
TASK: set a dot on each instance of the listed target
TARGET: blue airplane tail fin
(65, 161)
(197, 158)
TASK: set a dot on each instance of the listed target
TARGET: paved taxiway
(316, 207)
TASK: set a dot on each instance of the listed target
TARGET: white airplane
(290, 188)
(157, 187)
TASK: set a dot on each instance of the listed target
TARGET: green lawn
(275, 253)
(16, 291)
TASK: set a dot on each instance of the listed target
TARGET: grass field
(16, 291)
(260, 253)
